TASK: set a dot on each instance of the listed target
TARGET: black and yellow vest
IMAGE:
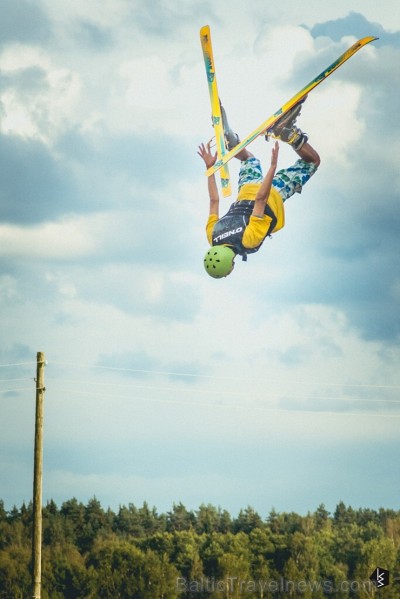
(230, 228)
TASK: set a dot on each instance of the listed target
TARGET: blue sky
(276, 387)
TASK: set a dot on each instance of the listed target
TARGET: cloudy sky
(276, 387)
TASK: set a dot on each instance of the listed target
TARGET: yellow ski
(205, 38)
(266, 127)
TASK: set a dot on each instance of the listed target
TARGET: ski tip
(368, 39)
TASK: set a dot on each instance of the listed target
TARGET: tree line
(136, 553)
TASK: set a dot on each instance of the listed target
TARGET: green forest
(136, 553)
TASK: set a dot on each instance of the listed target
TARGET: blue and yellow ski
(205, 38)
(267, 125)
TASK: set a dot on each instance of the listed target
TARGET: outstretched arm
(263, 192)
(209, 159)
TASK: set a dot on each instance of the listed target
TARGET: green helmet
(219, 261)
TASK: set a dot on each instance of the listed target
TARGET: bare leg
(244, 155)
(308, 154)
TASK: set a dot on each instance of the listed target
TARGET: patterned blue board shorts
(287, 181)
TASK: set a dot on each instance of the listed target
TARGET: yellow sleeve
(256, 231)
(212, 219)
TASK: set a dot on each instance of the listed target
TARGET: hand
(206, 154)
(274, 155)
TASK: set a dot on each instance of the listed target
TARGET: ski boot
(231, 138)
(285, 129)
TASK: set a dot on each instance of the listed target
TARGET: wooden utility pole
(37, 479)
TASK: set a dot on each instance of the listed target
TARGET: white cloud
(273, 42)
(70, 238)
(47, 109)
(336, 142)
(109, 13)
